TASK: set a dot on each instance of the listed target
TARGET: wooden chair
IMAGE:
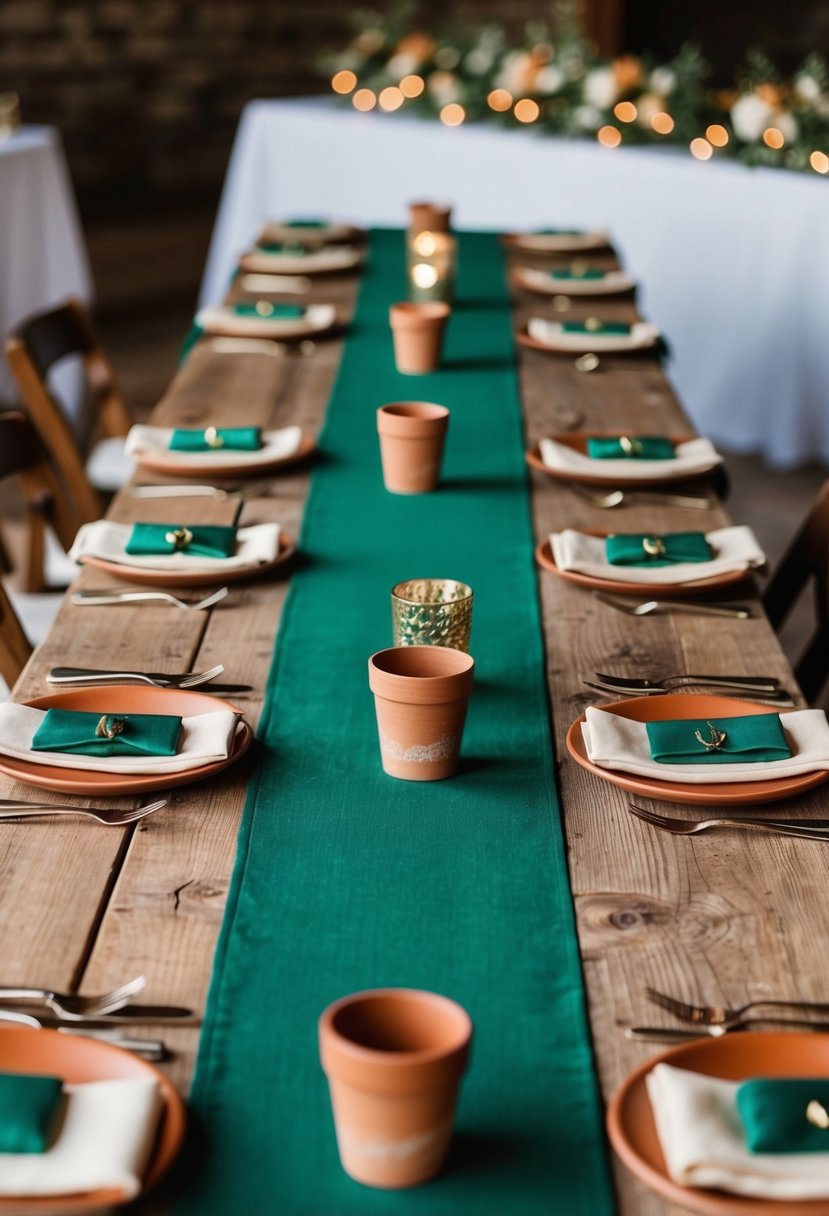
(33, 350)
(14, 645)
(807, 558)
(22, 456)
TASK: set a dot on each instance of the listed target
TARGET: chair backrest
(22, 456)
(32, 351)
(806, 559)
(14, 645)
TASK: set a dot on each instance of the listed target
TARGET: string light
(662, 123)
(364, 100)
(391, 98)
(343, 82)
(773, 138)
(527, 110)
(499, 100)
(819, 162)
(626, 111)
(701, 149)
(412, 86)
(716, 135)
(609, 137)
(452, 115)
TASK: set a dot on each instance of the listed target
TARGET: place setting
(269, 319)
(611, 459)
(592, 335)
(234, 451)
(557, 240)
(294, 255)
(580, 278)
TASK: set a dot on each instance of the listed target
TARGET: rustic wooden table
(725, 916)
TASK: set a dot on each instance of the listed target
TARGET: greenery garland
(555, 81)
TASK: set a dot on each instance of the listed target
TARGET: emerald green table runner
(348, 879)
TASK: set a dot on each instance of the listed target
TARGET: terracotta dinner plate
(616, 282)
(221, 465)
(328, 234)
(577, 440)
(615, 345)
(334, 259)
(735, 1057)
(198, 578)
(125, 699)
(662, 591)
(661, 708)
(77, 1060)
(319, 319)
(559, 242)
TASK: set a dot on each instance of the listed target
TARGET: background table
(733, 262)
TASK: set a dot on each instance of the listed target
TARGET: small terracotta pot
(394, 1059)
(420, 695)
(417, 331)
(412, 435)
(430, 217)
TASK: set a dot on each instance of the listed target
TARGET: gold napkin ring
(264, 308)
(579, 269)
(630, 447)
(212, 438)
(654, 546)
(817, 1114)
(593, 325)
(109, 728)
(180, 538)
(718, 737)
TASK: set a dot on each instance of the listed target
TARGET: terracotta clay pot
(412, 434)
(394, 1059)
(420, 695)
(430, 217)
(417, 331)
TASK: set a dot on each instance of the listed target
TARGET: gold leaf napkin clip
(718, 737)
(110, 728)
(180, 538)
(212, 438)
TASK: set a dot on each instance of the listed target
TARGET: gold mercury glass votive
(431, 612)
(431, 258)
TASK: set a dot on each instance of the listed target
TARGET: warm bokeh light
(626, 111)
(500, 100)
(819, 162)
(412, 86)
(364, 100)
(662, 123)
(527, 110)
(609, 137)
(343, 82)
(424, 244)
(391, 98)
(773, 138)
(424, 274)
(452, 115)
(716, 135)
(701, 149)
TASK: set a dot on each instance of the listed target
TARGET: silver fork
(136, 597)
(758, 683)
(779, 697)
(112, 816)
(721, 1015)
(675, 1034)
(91, 675)
(621, 498)
(804, 829)
(71, 1005)
(668, 606)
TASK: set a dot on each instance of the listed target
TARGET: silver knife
(89, 675)
(674, 1034)
(149, 1049)
(127, 1015)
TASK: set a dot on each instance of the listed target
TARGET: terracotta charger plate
(197, 578)
(125, 699)
(735, 1057)
(222, 464)
(78, 1060)
(577, 440)
(335, 259)
(662, 591)
(624, 346)
(661, 708)
(318, 321)
(328, 234)
(617, 282)
(560, 242)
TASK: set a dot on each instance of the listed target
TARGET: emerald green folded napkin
(267, 311)
(754, 739)
(197, 540)
(589, 272)
(93, 734)
(775, 1118)
(650, 549)
(595, 327)
(225, 438)
(28, 1105)
(559, 232)
(293, 247)
(630, 447)
(302, 223)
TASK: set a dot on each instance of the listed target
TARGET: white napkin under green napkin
(550, 333)
(103, 538)
(226, 321)
(693, 457)
(155, 441)
(104, 1142)
(614, 281)
(333, 257)
(703, 1142)
(204, 739)
(735, 548)
(620, 743)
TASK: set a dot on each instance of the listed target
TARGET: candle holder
(430, 260)
(431, 612)
(9, 114)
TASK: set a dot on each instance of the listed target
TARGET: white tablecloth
(733, 262)
(42, 254)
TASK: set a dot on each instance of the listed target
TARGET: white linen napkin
(333, 257)
(550, 333)
(104, 1141)
(204, 739)
(620, 743)
(103, 538)
(155, 441)
(541, 280)
(224, 320)
(703, 1141)
(693, 457)
(735, 549)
